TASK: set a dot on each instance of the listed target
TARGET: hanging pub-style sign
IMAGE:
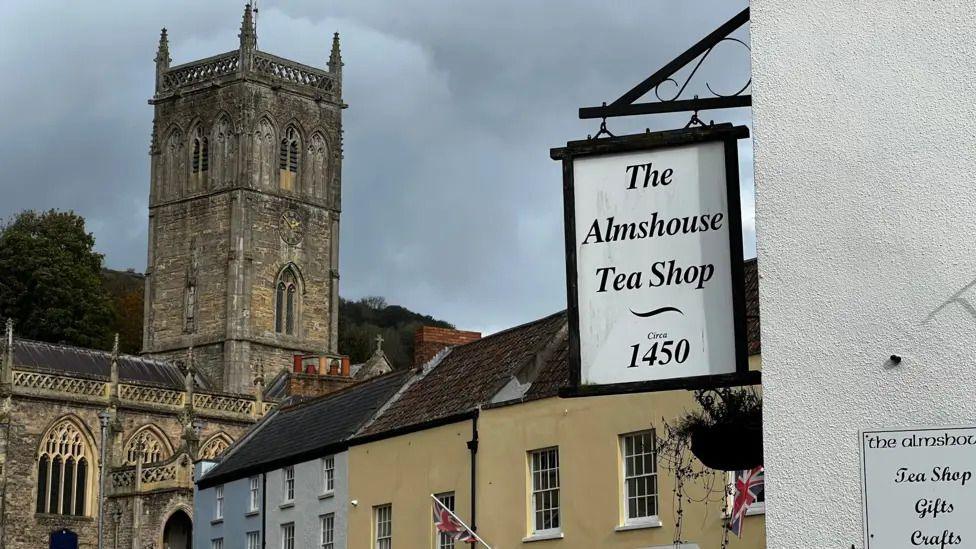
(654, 261)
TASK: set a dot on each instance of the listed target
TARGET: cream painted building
(413, 466)
(590, 437)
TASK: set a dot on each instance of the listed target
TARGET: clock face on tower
(290, 227)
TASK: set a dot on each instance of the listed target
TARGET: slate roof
(299, 432)
(468, 377)
(53, 358)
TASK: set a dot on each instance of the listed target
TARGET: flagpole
(473, 533)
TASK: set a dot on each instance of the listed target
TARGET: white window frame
(286, 541)
(217, 543)
(253, 539)
(756, 508)
(649, 520)
(219, 502)
(253, 494)
(288, 484)
(444, 540)
(383, 537)
(327, 531)
(328, 475)
(548, 460)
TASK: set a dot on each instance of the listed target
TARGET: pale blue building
(284, 484)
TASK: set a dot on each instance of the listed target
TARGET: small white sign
(654, 276)
(919, 488)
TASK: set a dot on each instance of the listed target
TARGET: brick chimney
(428, 341)
(316, 375)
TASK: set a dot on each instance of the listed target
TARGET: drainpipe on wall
(264, 506)
(473, 447)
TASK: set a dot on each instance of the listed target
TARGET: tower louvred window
(289, 151)
(201, 152)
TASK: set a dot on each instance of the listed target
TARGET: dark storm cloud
(451, 205)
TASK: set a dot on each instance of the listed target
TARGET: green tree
(125, 290)
(361, 321)
(50, 281)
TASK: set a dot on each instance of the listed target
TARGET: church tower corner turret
(244, 204)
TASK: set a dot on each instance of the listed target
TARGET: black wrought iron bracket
(626, 106)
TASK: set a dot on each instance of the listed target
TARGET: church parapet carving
(204, 70)
(292, 72)
(49, 383)
(215, 69)
(174, 473)
(89, 390)
(202, 402)
(151, 395)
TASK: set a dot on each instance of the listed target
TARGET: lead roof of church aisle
(53, 358)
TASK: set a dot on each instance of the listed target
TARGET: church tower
(244, 201)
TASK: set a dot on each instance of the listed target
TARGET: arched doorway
(64, 539)
(178, 532)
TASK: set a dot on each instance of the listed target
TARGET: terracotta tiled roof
(468, 377)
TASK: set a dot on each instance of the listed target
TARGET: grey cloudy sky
(451, 205)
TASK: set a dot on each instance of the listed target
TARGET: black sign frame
(729, 136)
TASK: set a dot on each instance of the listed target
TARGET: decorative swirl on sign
(649, 314)
(701, 60)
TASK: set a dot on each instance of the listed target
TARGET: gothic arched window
(288, 158)
(148, 442)
(287, 301)
(215, 446)
(63, 466)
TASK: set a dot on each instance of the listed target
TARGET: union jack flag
(748, 486)
(446, 522)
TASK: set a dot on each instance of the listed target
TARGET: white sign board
(653, 264)
(919, 488)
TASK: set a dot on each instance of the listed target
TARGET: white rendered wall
(865, 151)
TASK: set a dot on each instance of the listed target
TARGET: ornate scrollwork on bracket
(681, 88)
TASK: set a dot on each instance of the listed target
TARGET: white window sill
(287, 505)
(216, 521)
(756, 509)
(327, 495)
(252, 513)
(543, 536)
(639, 524)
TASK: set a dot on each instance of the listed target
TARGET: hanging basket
(728, 447)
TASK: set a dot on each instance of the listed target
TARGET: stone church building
(241, 302)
